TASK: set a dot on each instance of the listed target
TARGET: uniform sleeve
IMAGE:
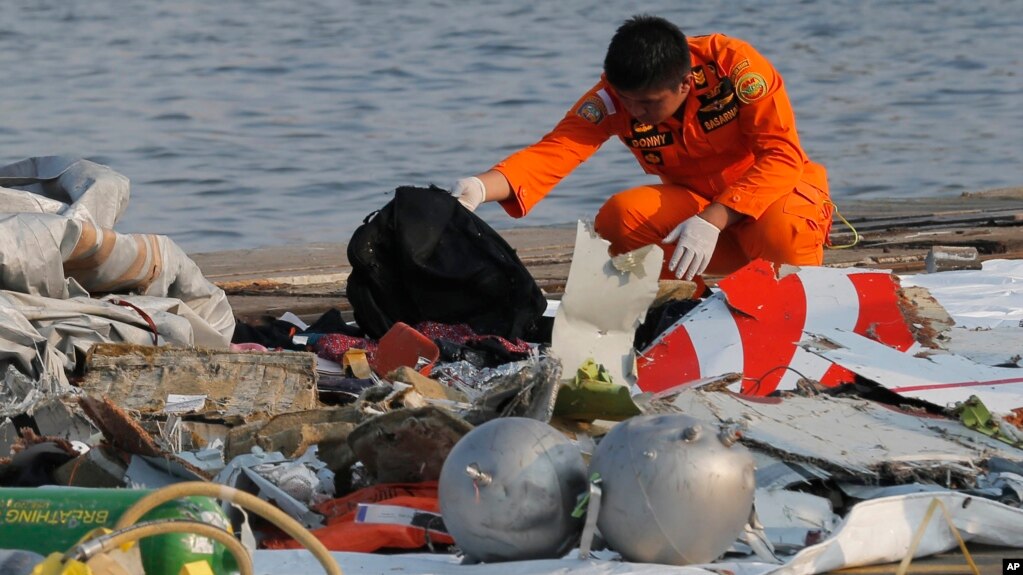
(533, 171)
(768, 126)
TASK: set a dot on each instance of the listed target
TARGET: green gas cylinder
(51, 519)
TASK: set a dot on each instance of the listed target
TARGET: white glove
(470, 192)
(696, 240)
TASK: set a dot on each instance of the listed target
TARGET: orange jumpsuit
(733, 141)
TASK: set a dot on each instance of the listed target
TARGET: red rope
(145, 316)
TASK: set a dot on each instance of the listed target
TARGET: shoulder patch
(591, 110)
(750, 87)
(597, 107)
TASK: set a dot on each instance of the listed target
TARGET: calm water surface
(245, 123)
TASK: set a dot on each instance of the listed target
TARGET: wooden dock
(894, 234)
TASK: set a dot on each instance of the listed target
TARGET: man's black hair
(647, 53)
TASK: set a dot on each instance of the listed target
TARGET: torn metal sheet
(156, 472)
(53, 418)
(605, 301)
(8, 437)
(39, 404)
(245, 472)
(978, 521)
(527, 388)
(997, 346)
(773, 473)
(987, 308)
(210, 460)
(18, 392)
(793, 520)
(102, 466)
(859, 491)
(985, 298)
(244, 385)
(873, 442)
(1007, 487)
(754, 323)
(940, 378)
(306, 478)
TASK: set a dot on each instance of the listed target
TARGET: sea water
(246, 123)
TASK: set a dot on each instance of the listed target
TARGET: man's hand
(470, 192)
(696, 239)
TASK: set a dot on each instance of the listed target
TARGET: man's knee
(643, 215)
(616, 222)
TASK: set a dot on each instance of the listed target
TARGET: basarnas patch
(592, 110)
(750, 87)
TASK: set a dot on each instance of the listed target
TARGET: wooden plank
(245, 385)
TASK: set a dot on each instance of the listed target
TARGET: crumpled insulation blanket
(68, 280)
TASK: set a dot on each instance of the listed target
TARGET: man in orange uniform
(710, 116)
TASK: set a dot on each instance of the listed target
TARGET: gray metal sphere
(508, 488)
(674, 490)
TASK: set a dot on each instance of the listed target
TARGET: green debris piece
(591, 371)
(592, 395)
(975, 415)
(583, 501)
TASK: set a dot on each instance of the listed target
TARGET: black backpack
(424, 257)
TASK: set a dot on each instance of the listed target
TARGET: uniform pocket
(809, 203)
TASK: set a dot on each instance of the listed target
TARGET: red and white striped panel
(753, 325)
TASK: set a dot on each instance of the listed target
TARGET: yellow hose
(856, 234)
(105, 543)
(242, 499)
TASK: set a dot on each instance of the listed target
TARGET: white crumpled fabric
(48, 319)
